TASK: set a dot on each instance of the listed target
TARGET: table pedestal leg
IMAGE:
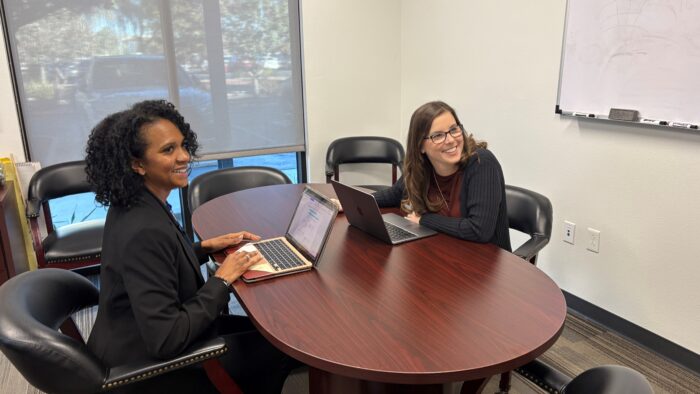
(325, 382)
(473, 386)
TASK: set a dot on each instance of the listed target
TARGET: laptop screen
(311, 222)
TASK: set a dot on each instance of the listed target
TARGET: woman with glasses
(451, 182)
(154, 301)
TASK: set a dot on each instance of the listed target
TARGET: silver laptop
(300, 248)
(362, 211)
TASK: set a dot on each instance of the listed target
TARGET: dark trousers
(255, 365)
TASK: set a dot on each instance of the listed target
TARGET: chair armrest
(141, 370)
(33, 208)
(544, 376)
(529, 249)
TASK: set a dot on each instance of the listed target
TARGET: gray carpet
(583, 344)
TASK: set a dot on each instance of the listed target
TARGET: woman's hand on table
(224, 241)
(236, 264)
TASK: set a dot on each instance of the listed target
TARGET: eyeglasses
(439, 137)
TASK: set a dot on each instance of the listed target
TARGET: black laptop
(362, 211)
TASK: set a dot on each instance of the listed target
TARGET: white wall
(352, 77)
(10, 137)
(497, 62)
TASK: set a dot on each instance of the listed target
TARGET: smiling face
(165, 161)
(444, 157)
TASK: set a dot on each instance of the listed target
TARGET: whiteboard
(641, 55)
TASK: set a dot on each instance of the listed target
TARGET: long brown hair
(417, 169)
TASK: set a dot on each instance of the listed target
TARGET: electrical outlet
(569, 231)
(593, 240)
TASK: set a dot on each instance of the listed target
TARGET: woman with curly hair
(451, 183)
(154, 302)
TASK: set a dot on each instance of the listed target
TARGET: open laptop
(301, 246)
(362, 211)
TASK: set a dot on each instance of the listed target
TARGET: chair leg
(220, 378)
(504, 384)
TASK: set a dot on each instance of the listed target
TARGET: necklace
(440, 190)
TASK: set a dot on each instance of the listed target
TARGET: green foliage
(68, 30)
(52, 38)
(39, 90)
(252, 28)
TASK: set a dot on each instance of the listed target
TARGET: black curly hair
(117, 140)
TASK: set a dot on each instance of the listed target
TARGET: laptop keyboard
(397, 233)
(278, 254)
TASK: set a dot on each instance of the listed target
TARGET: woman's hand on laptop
(224, 241)
(236, 264)
(413, 217)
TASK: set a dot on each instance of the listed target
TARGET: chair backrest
(369, 149)
(80, 245)
(606, 379)
(58, 180)
(530, 213)
(609, 379)
(228, 180)
(32, 307)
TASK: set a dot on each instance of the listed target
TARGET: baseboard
(641, 336)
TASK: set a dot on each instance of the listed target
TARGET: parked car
(112, 83)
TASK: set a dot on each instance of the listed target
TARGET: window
(285, 162)
(75, 209)
(232, 67)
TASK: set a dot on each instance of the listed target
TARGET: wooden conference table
(377, 318)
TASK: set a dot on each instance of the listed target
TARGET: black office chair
(216, 183)
(364, 150)
(34, 304)
(73, 246)
(607, 379)
(530, 213)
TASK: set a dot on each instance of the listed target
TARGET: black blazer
(153, 299)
